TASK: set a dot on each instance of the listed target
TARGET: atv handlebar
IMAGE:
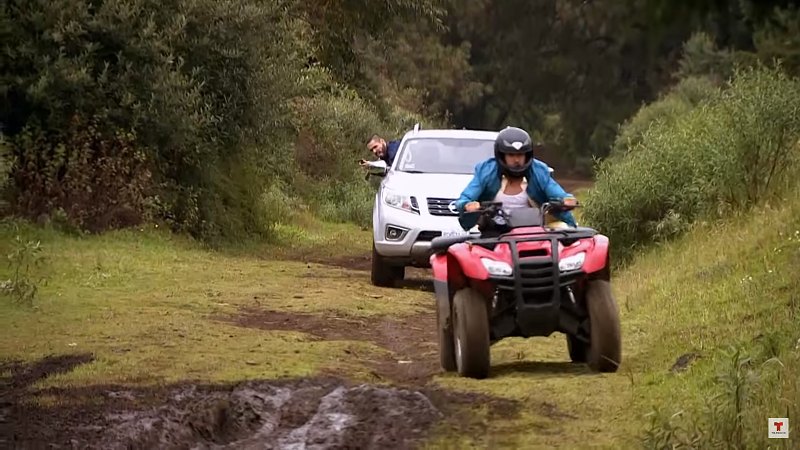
(492, 208)
(563, 205)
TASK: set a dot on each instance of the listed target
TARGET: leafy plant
(23, 260)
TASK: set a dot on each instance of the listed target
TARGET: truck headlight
(571, 263)
(498, 268)
(401, 201)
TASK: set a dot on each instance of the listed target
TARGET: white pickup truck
(416, 199)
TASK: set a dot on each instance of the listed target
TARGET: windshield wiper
(412, 171)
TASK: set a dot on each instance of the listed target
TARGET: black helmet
(513, 140)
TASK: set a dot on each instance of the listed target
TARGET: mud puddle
(318, 413)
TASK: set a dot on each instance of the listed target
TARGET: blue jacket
(391, 152)
(487, 181)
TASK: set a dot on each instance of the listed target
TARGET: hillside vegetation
(214, 118)
(227, 119)
(699, 153)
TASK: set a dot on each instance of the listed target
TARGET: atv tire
(471, 332)
(383, 274)
(605, 350)
(447, 349)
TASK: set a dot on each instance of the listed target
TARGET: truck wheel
(447, 351)
(471, 332)
(383, 274)
(605, 350)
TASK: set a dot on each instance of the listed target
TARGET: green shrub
(96, 178)
(24, 260)
(739, 147)
(333, 124)
(202, 85)
(678, 101)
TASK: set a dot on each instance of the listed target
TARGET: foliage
(670, 107)
(185, 90)
(195, 113)
(24, 259)
(779, 38)
(98, 181)
(333, 132)
(738, 149)
(747, 389)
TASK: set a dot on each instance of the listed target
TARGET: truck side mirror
(377, 168)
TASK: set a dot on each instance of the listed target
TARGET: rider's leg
(556, 224)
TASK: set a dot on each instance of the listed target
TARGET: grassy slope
(146, 303)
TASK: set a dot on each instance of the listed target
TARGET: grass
(149, 306)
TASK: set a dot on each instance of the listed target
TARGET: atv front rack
(536, 281)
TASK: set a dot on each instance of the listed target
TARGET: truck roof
(452, 133)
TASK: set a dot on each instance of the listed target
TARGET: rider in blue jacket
(514, 177)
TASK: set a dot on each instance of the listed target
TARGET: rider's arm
(472, 192)
(554, 191)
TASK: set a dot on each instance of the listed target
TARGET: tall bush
(333, 126)
(203, 85)
(739, 148)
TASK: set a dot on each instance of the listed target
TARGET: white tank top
(513, 201)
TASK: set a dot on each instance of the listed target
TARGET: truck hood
(442, 185)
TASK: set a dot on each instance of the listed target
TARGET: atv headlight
(498, 268)
(571, 263)
(400, 201)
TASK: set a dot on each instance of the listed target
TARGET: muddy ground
(325, 412)
(315, 413)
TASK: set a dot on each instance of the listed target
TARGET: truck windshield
(444, 155)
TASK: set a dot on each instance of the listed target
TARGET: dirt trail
(324, 412)
(411, 340)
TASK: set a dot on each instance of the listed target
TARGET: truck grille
(428, 235)
(440, 206)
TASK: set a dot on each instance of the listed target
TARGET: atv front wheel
(471, 332)
(605, 350)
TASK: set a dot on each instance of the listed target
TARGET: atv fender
(597, 259)
(451, 272)
(440, 264)
(470, 266)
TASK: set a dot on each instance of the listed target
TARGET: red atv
(528, 280)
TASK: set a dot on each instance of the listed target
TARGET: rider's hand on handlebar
(472, 206)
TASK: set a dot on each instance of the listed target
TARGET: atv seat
(440, 244)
